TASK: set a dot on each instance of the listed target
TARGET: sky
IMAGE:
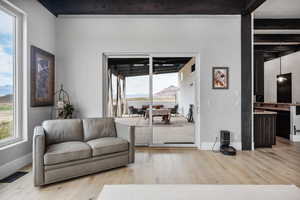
(6, 44)
(139, 85)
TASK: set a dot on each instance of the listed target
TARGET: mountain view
(166, 92)
(5, 94)
(136, 95)
(6, 74)
(169, 91)
(5, 90)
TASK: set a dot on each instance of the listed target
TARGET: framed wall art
(220, 78)
(42, 77)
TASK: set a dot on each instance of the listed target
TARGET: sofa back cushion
(98, 128)
(65, 130)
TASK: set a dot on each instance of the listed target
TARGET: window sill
(11, 143)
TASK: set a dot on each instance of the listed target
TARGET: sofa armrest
(127, 132)
(39, 147)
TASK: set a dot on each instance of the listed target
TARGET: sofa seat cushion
(108, 145)
(66, 151)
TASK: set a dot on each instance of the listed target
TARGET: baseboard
(13, 166)
(295, 138)
(209, 145)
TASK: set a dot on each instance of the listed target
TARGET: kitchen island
(264, 129)
(283, 118)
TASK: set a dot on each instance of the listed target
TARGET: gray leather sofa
(64, 149)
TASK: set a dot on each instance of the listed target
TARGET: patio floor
(178, 131)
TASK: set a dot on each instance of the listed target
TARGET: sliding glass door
(173, 94)
(129, 96)
(155, 94)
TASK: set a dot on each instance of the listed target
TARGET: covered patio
(171, 118)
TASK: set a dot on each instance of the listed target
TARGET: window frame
(19, 75)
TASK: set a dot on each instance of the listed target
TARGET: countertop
(272, 108)
(265, 113)
(279, 104)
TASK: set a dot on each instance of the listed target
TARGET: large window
(11, 77)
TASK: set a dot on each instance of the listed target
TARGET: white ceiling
(279, 9)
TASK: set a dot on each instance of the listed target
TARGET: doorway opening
(157, 95)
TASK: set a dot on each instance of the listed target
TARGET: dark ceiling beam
(269, 38)
(133, 67)
(119, 69)
(288, 43)
(275, 48)
(129, 66)
(271, 56)
(276, 24)
(162, 65)
(132, 7)
(139, 65)
(114, 61)
(161, 60)
(271, 52)
(285, 53)
(131, 71)
(144, 73)
(174, 60)
(252, 5)
(136, 74)
(146, 69)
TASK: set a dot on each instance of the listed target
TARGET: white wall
(289, 64)
(82, 39)
(186, 84)
(41, 33)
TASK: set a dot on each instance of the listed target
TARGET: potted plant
(68, 111)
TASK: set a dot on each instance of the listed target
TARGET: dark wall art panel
(42, 77)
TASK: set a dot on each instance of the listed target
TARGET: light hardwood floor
(279, 165)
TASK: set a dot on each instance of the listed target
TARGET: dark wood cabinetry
(283, 125)
(264, 129)
(283, 118)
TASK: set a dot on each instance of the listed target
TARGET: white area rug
(200, 192)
